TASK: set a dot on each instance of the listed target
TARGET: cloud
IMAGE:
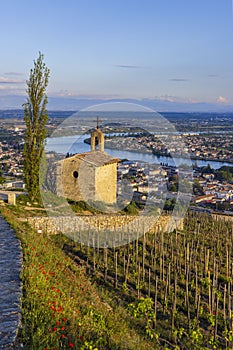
(4, 80)
(68, 94)
(178, 79)
(14, 73)
(222, 99)
(11, 86)
(7, 90)
(168, 98)
(212, 75)
(127, 66)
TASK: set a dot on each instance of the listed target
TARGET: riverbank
(76, 144)
(169, 156)
(151, 157)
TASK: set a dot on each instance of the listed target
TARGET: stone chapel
(89, 176)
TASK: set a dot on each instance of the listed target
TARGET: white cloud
(11, 86)
(14, 73)
(66, 93)
(222, 99)
(4, 80)
(170, 98)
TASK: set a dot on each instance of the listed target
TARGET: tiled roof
(96, 158)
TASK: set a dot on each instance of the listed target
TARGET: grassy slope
(61, 309)
(70, 301)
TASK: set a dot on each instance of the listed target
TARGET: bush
(132, 209)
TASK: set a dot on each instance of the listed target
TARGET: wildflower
(54, 329)
(71, 345)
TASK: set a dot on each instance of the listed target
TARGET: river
(75, 144)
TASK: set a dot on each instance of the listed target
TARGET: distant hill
(75, 104)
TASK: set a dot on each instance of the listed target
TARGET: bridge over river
(10, 285)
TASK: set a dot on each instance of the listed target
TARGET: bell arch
(99, 135)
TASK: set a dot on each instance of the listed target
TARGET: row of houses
(215, 192)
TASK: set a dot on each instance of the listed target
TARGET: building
(90, 176)
(204, 198)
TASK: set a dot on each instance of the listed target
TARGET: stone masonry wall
(106, 183)
(54, 225)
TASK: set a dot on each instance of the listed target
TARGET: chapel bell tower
(99, 135)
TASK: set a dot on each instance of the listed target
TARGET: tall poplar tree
(35, 117)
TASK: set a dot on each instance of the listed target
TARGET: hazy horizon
(13, 102)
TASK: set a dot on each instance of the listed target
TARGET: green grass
(61, 308)
(72, 298)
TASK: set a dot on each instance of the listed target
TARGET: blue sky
(175, 50)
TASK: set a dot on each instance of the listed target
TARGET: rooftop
(96, 158)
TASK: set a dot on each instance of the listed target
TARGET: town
(199, 146)
(212, 189)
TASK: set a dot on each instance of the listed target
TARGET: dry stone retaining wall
(67, 225)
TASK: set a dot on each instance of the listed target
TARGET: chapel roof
(96, 158)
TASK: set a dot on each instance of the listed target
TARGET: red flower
(54, 329)
(60, 308)
(71, 345)
(62, 328)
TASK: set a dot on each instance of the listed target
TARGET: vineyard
(176, 287)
